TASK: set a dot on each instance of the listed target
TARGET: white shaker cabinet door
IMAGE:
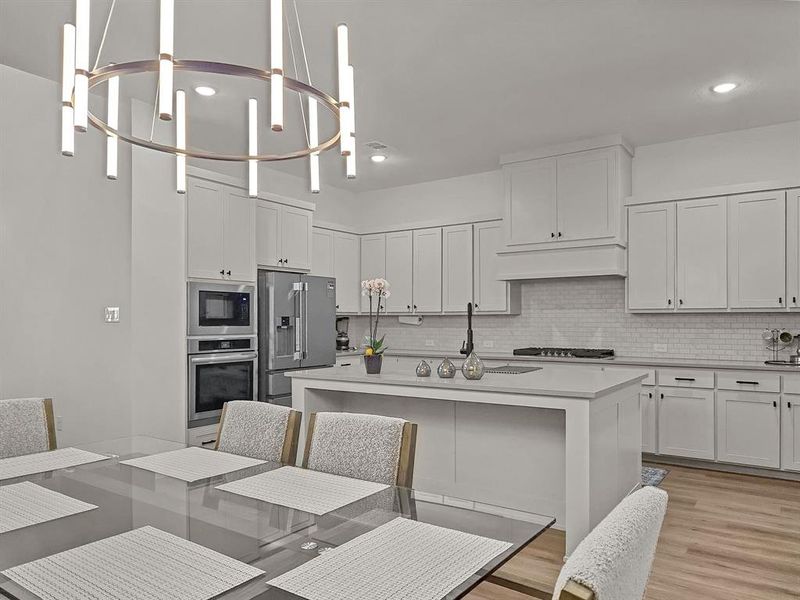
(373, 261)
(296, 229)
(239, 237)
(790, 435)
(268, 233)
(651, 256)
(793, 247)
(491, 295)
(399, 271)
(702, 254)
(456, 268)
(757, 250)
(686, 422)
(531, 201)
(322, 253)
(204, 230)
(428, 270)
(585, 191)
(648, 408)
(748, 428)
(347, 270)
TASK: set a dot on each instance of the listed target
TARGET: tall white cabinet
(457, 268)
(220, 232)
(702, 254)
(347, 270)
(427, 277)
(373, 261)
(651, 256)
(400, 271)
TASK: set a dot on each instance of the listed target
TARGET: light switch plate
(112, 314)
(430, 343)
(659, 347)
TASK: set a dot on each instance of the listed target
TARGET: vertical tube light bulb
(344, 101)
(276, 64)
(81, 104)
(252, 139)
(313, 142)
(112, 118)
(67, 88)
(180, 141)
(165, 66)
(350, 160)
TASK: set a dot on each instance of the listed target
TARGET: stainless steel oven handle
(223, 357)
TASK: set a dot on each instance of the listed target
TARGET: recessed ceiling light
(378, 158)
(205, 90)
(724, 88)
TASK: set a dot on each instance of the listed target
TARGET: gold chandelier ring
(102, 74)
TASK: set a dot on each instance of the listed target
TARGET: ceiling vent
(376, 146)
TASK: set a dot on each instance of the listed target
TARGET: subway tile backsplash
(590, 312)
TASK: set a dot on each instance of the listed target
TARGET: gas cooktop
(566, 352)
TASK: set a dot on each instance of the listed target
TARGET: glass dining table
(273, 538)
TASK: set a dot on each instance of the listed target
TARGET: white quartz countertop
(634, 361)
(563, 381)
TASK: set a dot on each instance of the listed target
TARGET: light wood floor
(725, 537)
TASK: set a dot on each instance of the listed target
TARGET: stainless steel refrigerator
(296, 329)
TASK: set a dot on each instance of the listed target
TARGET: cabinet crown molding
(603, 141)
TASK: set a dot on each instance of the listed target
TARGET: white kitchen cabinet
(647, 405)
(220, 232)
(757, 250)
(427, 295)
(531, 201)
(399, 271)
(491, 295)
(373, 261)
(702, 254)
(651, 256)
(793, 247)
(748, 428)
(322, 252)
(790, 432)
(347, 270)
(585, 190)
(686, 422)
(457, 268)
(284, 236)
(204, 241)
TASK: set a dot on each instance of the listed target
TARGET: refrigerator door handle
(299, 321)
(305, 320)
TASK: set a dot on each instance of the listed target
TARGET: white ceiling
(450, 85)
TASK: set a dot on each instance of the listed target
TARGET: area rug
(653, 476)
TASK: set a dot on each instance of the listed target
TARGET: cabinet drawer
(649, 380)
(205, 437)
(791, 384)
(748, 381)
(695, 378)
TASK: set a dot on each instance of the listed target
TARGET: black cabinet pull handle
(476, 307)
(337, 306)
(345, 364)
(559, 234)
(774, 404)
(747, 382)
(788, 405)
(669, 301)
(222, 272)
(662, 396)
(780, 300)
(650, 394)
(680, 301)
(794, 299)
(415, 307)
(229, 273)
(208, 443)
(552, 235)
(408, 306)
(684, 379)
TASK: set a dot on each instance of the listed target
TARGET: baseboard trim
(697, 463)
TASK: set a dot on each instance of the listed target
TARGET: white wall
(736, 157)
(64, 256)
(458, 199)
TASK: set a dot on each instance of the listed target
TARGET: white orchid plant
(376, 290)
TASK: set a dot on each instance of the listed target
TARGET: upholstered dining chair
(614, 560)
(26, 426)
(367, 447)
(259, 430)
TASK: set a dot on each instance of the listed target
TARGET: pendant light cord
(105, 32)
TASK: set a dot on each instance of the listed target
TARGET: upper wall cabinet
(456, 268)
(399, 270)
(651, 256)
(427, 287)
(793, 247)
(561, 199)
(322, 252)
(283, 236)
(702, 254)
(373, 261)
(757, 250)
(336, 254)
(220, 232)
(490, 295)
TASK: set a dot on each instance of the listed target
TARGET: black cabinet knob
(669, 301)
(559, 234)
(229, 273)
(337, 307)
(222, 272)
(415, 307)
(780, 300)
(552, 235)
(775, 404)
(680, 301)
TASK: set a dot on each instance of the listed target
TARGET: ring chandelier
(78, 79)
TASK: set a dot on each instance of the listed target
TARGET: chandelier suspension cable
(297, 75)
(105, 32)
(155, 109)
(302, 43)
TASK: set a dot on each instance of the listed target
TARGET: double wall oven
(222, 348)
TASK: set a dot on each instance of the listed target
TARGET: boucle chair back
(367, 447)
(26, 426)
(259, 430)
(613, 562)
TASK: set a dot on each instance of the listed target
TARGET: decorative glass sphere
(472, 367)
(446, 370)
(423, 369)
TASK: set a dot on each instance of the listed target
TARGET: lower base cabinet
(647, 404)
(790, 436)
(748, 428)
(686, 422)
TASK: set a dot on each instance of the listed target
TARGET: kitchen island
(561, 441)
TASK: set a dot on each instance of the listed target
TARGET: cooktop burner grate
(566, 352)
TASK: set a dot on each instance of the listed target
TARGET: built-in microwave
(216, 309)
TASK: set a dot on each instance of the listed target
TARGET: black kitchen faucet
(468, 346)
